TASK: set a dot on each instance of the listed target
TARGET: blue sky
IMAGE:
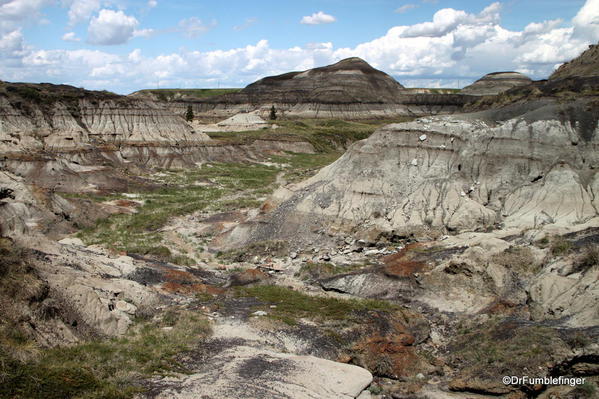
(125, 45)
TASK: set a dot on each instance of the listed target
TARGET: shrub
(518, 259)
(560, 246)
(590, 258)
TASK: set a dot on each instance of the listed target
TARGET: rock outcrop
(348, 81)
(584, 66)
(49, 117)
(519, 166)
(496, 83)
(349, 89)
(243, 371)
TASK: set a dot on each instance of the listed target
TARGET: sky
(127, 45)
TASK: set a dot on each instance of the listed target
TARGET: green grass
(108, 369)
(292, 305)
(171, 94)
(496, 347)
(218, 187)
(560, 246)
(139, 232)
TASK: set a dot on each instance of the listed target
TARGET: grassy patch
(139, 233)
(560, 246)
(292, 305)
(497, 347)
(173, 94)
(109, 369)
(261, 248)
(299, 167)
(518, 259)
(589, 259)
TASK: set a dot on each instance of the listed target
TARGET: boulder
(247, 372)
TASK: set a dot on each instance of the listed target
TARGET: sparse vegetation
(560, 246)
(292, 305)
(497, 346)
(108, 369)
(587, 390)
(173, 94)
(518, 259)
(138, 232)
(589, 259)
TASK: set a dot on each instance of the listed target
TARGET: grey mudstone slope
(349, 89)
(351, 80)
(57, 117)
(519, 166)
(496, 83)
(584, 66)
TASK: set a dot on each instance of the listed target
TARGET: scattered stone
(259, 313)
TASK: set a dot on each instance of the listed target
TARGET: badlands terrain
(373, 241)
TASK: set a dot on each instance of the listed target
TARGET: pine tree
(273, 113)
(189, 114)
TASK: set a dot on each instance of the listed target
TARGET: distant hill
(585, 65)
(495, 83)
(179, 94)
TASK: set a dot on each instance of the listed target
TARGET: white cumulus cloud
(70, 37)
(453, 48)
(111, 27)
(318, 18)
(82, 10)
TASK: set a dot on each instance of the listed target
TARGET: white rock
(246, 372)
(422, 138)
(259, 313)
(72, 241)
(414, 162)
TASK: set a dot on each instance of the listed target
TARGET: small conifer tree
(189, 114)
(273, 113)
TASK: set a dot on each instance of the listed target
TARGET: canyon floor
(385, 317)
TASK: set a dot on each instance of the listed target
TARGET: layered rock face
(520, 166)
(496, 83)
(351, 80)
(49, 117)
(349, 89)
(584, 66)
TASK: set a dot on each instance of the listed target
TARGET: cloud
(82, 10)
(318, 18)
(405, 8)
(152, 3)
(14, 13)
(70, 37)
(193, 27)
(12, 43)
(248, 22)
(144, 32)
(453, 48)
(586, 22)
(111, 27)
